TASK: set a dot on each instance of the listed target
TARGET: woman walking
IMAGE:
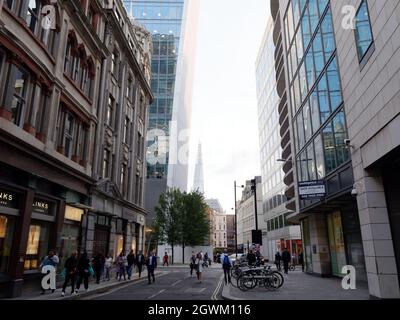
(121, 265)
(107, 267)
(83, 272)
(199, 261)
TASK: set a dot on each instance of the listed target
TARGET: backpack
(226, 260)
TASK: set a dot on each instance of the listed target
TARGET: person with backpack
(192, 263)
(226, 266)
(50, 260)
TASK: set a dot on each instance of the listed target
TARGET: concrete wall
(372, 104)
(178, 252)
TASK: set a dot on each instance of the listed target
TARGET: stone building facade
(53, 75)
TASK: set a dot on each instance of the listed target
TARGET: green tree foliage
(181, 219)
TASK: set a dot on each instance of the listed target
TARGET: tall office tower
(198, 184)
(278, 234)
(173, 25)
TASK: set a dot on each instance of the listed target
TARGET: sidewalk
(94, 288)
(300, 286)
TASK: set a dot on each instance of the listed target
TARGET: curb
(94, 291)
(226, 295)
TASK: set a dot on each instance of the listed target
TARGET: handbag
(91, 271)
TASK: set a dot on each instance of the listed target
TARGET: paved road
(174, 283)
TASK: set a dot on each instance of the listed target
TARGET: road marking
(141, 280)
(155, 295)
(214, 295)
(175, 283)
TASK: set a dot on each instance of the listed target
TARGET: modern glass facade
(164, 20)
(319, 121)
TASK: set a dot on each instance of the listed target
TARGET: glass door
(336, 243)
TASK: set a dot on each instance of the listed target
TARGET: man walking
(165, 260)
(151, 266)
(140, 262)
(301, 261)
(70, 267)
(278, 259)
(192, 263)
(226, 266)
(131, 263)
(286, 257)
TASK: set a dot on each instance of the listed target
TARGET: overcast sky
(224, 97)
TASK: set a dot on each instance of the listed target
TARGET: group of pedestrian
(286, 258)
(78, 268)
(197, 262)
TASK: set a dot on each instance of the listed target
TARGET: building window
(106, 163)
(364, 37)
(7, 225)
(114, 63)
(68, 134)
(110, 111)
(15, 98)
(124, 172)
(126, 130)
(32, 15)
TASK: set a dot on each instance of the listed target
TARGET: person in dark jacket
(140, 261)
(278, 259)
(251, 258)
(151, 264)
(98, 265)
(131, 263)
(83, 271)
(286, 258)
(70, 268)
(301, 260)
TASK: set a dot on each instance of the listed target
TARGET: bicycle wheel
(240, 284)
(280, 277)
(272, 282)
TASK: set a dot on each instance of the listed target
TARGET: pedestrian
(226, 266)
(165, 260)
(140, 261)
(286, 257)
(98, 265)
(301, 260)
(70, 269)
(218, 257)
(122, 263)
(83, 272)
(50, 260)
(192, 263)
(131, 263)
(278, 259)
(107, 267)
(251, 258)
(206, 259)
(258, 257)
(199, 267)
(151, 266)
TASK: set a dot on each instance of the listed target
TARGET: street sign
(256, 237)
(312, 190)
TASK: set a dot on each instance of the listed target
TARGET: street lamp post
(236, 245)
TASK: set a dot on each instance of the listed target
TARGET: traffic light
(253, 185)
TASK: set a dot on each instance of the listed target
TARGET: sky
(224, 97)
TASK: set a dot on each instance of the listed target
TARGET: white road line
(175, 283)
(155, 295)
(95, 296)
(214, 295)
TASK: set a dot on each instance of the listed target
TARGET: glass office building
(164, 20)
(319, 131)
(278, 233)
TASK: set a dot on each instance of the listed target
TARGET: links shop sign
(312, 190)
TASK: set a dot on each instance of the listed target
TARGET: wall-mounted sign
(312, 190)
(41, 206)
(8, 199)
(74, 214)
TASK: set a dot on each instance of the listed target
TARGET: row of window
(274, 202)
(278, 222)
